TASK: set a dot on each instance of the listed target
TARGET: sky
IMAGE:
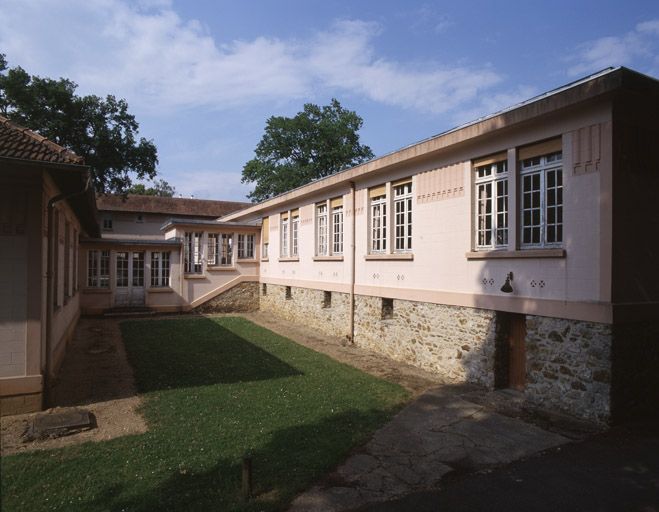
(202, 77)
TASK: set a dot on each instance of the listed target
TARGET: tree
(160, 188)
(99, 130)
(317, 142)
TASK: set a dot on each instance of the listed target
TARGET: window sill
(265, 259)
(214, 268)
(518, 254)
(328, 258)
(403, 256)
(247, 260)
(194, 276)
(96, 290)
(160, 289)
(284, 260)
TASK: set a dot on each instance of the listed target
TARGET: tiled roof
(21, 143)
(168, 205)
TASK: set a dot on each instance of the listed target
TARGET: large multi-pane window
(121, 269)
(220, 249)
(541, 182)
(98, 269)
(283, 245)
(245, 247)
(378, 222)
(138, 269)
(491, 188)
(403, 216)
(160, 269)
(337, 227)
(321, 229)
(265, 237)
(193, 253)
(295, 228)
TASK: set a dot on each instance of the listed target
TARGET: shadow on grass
(294, 459)
(195, 352)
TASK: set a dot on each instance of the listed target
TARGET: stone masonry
(568, 365)
(568, 362)
(241, 298)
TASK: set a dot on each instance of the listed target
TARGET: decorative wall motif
(586, 145)
(439, 184)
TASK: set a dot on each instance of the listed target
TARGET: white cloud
(209, 184)
(638, 48)
(148, 54)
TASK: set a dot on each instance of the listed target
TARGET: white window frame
(378, 224)
(322, 229)
(107, 223)
(193, 252)
(542, 167)
(212, 254)
(495, 208)
(284, 236)
(246, 246)
(402, 208)
(295, 230)
(160, 269)
(97, 262)
(337, 230)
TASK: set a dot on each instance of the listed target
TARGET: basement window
(387, 309)
(264, 289)
(289, 294)
(327, 299)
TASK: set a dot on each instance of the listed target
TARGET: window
(327, 299)
(265, 237)
(541, 213)
(288, 293)
(220, 249)
(67, 259)
(193, 253)
(98, 269)
(283, 247)
(403, 216)
(491, 189)
(295, 225)
(245, 247)
(55, 235)
(337, 226)
(139, 218)
(264, 289)
(107, 223)
(121, 277)
(76, 247)
(378, 220)
(160, 265)
(321, 229)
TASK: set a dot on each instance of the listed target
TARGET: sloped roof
(179, 206)
(24, 144)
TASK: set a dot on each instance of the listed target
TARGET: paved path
(440, 432)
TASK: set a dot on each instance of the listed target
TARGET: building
(517, 251)
(46, 206)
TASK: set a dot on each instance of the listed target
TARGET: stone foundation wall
(568, 366)
(20, 404)
(455, 342)
(306, 307)
(241, 298)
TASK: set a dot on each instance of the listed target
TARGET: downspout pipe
(50, 293)
(353, 249)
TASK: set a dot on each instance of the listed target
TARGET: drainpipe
(49, 285)
(351, 335)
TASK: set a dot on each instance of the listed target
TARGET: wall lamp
(507, 287)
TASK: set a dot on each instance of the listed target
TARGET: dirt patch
(95, 376)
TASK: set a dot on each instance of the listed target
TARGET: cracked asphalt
(440, 433)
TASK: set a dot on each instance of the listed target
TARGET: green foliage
(102, 131)
(213, 390)
(317, 142)
(160, 188)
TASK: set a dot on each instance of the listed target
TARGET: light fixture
(507, 288)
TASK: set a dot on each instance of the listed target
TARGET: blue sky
(203, 77)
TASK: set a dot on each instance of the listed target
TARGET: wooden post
(247, 477)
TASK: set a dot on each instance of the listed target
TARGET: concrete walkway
(439, 433)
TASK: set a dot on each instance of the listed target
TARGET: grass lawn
(214, 389)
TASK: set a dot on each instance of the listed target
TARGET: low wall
(241, 298)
